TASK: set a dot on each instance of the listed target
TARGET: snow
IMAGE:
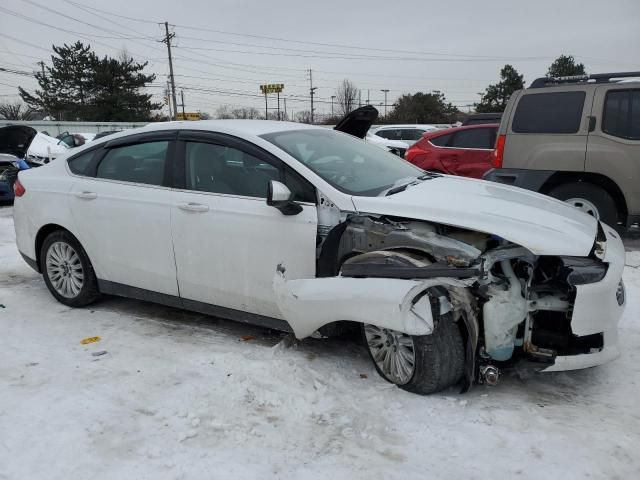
(179, 395)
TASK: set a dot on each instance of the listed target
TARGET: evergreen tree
(496, 96)
(422, 108)
(564, 66)
(64, 85)
(80, 86)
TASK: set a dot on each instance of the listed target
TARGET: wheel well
(596, 179)
(43, 233)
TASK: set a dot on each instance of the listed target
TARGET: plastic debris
(364, 375)
(247, 338)
(88, 340)
(101, 352)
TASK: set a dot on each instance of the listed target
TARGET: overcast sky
(222, 54)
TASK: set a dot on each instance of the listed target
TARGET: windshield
(350, 164)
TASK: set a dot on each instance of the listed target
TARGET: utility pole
(333, 97)
(279, 106)
(184, 117)
(167, 40)
(169, 99)
(368, 91)
(359, 98)
(285, 109)
(312, 91)
(385, 91)
(266, 107)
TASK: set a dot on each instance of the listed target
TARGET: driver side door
(228, 242)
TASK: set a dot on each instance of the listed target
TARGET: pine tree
(496, 96)
(564, 66)
(423, 108)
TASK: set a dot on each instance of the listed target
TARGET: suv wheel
(590, 199)
(67, 271)
(421, 364)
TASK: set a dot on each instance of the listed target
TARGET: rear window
(440, 141)
(480, 138)
(558, 112)
(621, 116)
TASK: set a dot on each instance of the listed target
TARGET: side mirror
(279, 196)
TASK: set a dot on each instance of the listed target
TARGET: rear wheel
(418, 363)
(589, 198)
(67, 271)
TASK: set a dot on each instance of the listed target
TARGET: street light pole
(333, 97)
(385, 91)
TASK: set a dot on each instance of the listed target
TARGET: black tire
(599, 197)
(89, 292)
(439, 358)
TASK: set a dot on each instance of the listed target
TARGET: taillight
(498, 153)
(18, 188)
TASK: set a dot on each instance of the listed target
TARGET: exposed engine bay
(511, 306)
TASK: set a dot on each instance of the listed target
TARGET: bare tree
(15, 111)
(303, 116)
(245, 113)
(346, 96)
(223, 111)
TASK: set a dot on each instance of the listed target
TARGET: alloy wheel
(393, 352)
(64, 269)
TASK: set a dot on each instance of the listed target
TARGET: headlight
(582, 270)
(599, 249)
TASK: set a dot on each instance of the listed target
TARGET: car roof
(409, 125)
(446, 131)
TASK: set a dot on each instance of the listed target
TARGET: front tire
(589, 198)
(420, 364)
(67, 270)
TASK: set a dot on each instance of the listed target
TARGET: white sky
(456, 47)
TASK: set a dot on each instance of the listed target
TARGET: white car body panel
(126, 228)
(508, 212)
(226, 254)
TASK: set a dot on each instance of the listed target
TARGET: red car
(464, 151)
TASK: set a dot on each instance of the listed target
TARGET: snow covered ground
(179, 395)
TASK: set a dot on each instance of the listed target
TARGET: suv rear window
(621, 117)
(557, 112)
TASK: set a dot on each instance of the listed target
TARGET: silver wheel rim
(585, 205)
(64, 269)
(393, 352)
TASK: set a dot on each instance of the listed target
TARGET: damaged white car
(301, 228)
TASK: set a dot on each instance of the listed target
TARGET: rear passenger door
(120, 203)
(548, 130)
(469, 152)
(614, 143)
(228, 241)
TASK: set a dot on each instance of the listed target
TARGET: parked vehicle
(14, 144)
(464, 151)
(405, 133)
(576, 139)
(105, 133)
(482, 118)
(301, 228)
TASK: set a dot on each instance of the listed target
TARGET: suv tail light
(18, 188)
(498, 153)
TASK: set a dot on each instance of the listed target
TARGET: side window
(80, 164)
(384, 134)
(621, 116)
(557, 112)
(473, 138)
(411, 134)
(221, 169)
(441, 141)
(302, 190)
(139, 163)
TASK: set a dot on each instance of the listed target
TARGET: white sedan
(302, 229)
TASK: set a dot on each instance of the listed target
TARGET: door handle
(193, 207)
(87, 195)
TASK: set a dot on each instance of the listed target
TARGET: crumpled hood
(539, 223)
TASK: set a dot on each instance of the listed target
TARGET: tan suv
(576, 139)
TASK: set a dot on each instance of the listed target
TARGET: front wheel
(421, 364)
(589, 198)
(67, 271)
